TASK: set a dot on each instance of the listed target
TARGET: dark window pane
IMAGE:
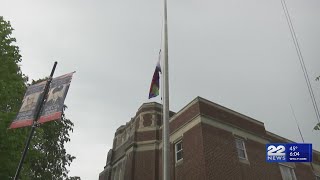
(179, 155)
(179, 146)
(179, 151)
(239, 144)
(241, 153)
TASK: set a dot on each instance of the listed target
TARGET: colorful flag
(155, 85)
(51, 109)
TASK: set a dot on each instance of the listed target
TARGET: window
(179, 151)
(287, 173)
(241, 149)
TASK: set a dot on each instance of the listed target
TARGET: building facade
(207, 142)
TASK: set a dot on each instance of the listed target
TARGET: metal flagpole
(311, 165)
(34, 125)
(300, 57)
(165, 82)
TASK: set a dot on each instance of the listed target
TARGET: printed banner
(51, 109)
(30, 102)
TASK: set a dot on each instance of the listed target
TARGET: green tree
(47, 157)
(12, 88)
(51, 160)
(12, 81)
(48, 145)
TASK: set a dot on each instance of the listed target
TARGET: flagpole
(165, 82)
(312, 168)
(34, 124)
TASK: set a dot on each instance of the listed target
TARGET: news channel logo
(289, 152)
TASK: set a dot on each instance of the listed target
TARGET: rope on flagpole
(303, 67)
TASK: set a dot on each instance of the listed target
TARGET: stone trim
(278, 137)
(147, 145)
(150, 104)
(244, 161)
(147, 129)
(234, 130)
(178, 133)
(288, 164)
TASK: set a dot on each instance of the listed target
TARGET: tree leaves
(47, 157)
(12, 87)
(48, 143)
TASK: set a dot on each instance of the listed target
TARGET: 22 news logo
(276, 153)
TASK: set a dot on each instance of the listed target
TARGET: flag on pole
(155, 85)
(52, 108)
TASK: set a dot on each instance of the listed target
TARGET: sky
(238, 54)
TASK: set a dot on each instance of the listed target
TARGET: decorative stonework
(141, 120)
(153, 120)
(125, 134)
(145, 121)
(148, 120)
(118, 170)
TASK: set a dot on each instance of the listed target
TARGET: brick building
(208, 142)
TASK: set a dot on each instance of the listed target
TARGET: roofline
(279, 137)
(200, 99)
(149, 104)
(195, 100)
(230, 110)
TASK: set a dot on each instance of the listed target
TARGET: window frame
(244, 148)
(291, 169)
(176, 151)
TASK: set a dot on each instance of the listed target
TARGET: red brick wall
(145, 165)
(316, 158)
(184, 117)
(209, 153)
(192, 166)
(258, 167)
(303, 171)
(221, 159)
(231, 118)
(146, 135)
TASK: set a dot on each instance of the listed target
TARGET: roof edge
(231, 111)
